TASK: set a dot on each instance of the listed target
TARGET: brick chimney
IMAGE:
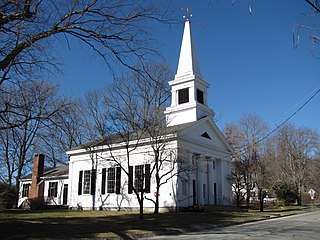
(37, 186)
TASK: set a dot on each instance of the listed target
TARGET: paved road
(300, 227)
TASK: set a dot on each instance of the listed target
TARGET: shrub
(7, 196)
(287, 193)
(37, 203)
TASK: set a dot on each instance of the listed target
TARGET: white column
(210, 181)
(219, 181)
(201, 178)
(191, 177)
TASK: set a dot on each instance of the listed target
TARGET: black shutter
(130, 183)
(93, 181)
(56, 189)
(118, 180)
(80, 183)
(49, 189)
(103, 182)
(147, 178)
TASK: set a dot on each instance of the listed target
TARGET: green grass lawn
(66, 224)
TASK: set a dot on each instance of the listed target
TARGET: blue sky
(249, 60)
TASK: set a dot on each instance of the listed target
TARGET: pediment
(205, 132)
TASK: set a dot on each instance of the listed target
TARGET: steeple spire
(188, 60)
(189, 90)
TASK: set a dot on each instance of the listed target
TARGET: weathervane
(188, 15)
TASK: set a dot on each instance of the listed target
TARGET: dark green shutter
(93, 181)
(80, 183)
(147, 178)
(56, 189)
(118, 180)
(49, 189)
(103, 182)
(130, 183)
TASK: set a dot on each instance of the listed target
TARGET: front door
(194, 190)
(215, 193)
(65, 194)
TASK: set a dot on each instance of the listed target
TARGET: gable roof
(135, 135)
(54, 172)
(187, 131)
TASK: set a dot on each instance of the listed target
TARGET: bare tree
(263, 177)
(19, 142)
(135, 104)
(123, 105)
(95, 125)
(245, 137)
(238, 185)
(68, 130)
(113, 29)
(118, 31)
(95, 111)
(235, 137)
(314, 4)
(153, 93)
(296, 148)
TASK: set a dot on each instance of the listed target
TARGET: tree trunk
(261, 198)
(299, 201)
(156, 205)
(141, 206)
(248, 196)
(17, 189)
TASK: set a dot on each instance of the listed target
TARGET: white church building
(106, 174)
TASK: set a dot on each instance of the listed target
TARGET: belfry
(188, 89)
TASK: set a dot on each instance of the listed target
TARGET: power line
(315, 92)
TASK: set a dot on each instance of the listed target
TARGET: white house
(51, 185)
(200, 156)
(103, 174)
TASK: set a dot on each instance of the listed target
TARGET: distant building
(195, 147)
(50, 184)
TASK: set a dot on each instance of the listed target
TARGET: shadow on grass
(67, 224)
(123, 225)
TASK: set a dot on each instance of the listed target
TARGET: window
(87, 182)
(25, 190)
(142, 178)
(200, 97)
(214, 164)
(204, 190)
(138, 178)
(111, 180)
(183, 95)
(53, 189)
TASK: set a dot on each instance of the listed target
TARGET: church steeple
(188, 60)
(188, 89)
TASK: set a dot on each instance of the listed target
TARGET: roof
(56, 172)
(140, 134)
